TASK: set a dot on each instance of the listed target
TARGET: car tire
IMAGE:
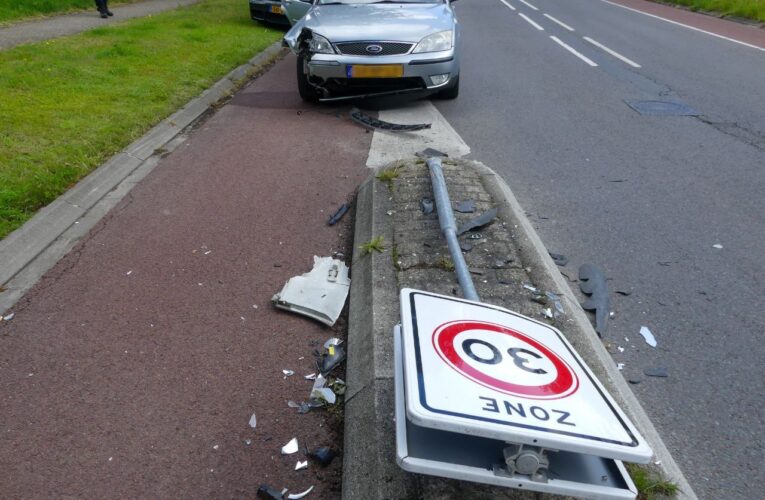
(452, 92)
(307, 91)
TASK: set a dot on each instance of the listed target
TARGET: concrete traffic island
(507, 255)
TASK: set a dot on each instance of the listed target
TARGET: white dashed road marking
(573, 51)
(531, 22)
(612, 52)
(527, 4)
(507, 5)
(551, 18)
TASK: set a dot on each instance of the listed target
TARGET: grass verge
(649, 484)
(750, 9)
(14, 10)
(69, 104)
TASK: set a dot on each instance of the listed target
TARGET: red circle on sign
(565, 383)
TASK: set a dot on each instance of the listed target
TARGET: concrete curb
(369, 469)
(30, 251)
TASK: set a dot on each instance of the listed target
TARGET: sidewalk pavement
(69, 24)
(133, 367)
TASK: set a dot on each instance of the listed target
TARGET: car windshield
(362, 2)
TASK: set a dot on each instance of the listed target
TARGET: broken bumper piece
(319, 294)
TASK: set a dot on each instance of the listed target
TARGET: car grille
(360, 48)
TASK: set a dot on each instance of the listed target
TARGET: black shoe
(109, 13)
(104, 15)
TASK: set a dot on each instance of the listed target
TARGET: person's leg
(106, 8)
(101, 6)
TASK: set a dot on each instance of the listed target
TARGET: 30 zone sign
(504, 360)
(479, 369)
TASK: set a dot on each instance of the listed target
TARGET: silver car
(352, 48)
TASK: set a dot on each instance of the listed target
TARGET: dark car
(268, 11)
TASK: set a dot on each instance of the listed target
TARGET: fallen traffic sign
(489, 395)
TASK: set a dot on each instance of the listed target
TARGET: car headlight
(320, 45)
(443, 40)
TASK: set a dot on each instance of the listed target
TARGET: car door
(296, 9)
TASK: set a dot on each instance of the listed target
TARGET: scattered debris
(269, 493)
(426, 205)
(334, 341)
(215, 447)
(310, 376)
(478, 222)
(656, 372)
(648, 336)
(531, 288)
(9, 317)
(558, 258)
(624, 293)
(298, 496)
(319, 294)
(465, 246)
(301, 465)
(620, 366)
(291, 447)
(302, 407)
(556, 302)
(128, 273)
(547, 313)
(621, 349)
(717, 246)
(465, 207)
(373, 123)
(288, 373)
(248, 441)
(323, 455)
(429, 153)
(321, 392)
(634, 380)
(335, 218)
(612, 315)
(338, 386)
(253, 421)
(593, 283)
(333, 356)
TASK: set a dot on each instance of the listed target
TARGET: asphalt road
(647, 198)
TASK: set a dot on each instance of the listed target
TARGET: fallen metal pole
(449, 228)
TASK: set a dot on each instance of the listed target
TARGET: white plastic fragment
(216, 447)
(717, 246)
(298, 496)
(9, 317)
(319, 294)
(324, 394)
(288, 373)
(301, 465)
(310, 376)
(332, 342)
(620, 366)
(621, 349)
(128, 273)
(648, 336)
(253, 421)
(291, 447)
(547, 313)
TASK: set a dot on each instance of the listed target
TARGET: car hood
(378, 22)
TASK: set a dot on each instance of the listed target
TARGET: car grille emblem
(374, 49)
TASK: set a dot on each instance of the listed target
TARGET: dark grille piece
(360, 48)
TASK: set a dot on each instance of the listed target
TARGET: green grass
(12, 10)
(752, 9)
(374, 245)
(69, 104)
(649, 485)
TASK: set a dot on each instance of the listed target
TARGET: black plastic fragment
(369, 122)
(593, 283)
(634, 380)
(327, 362)
(324, 455)
(267, 492)
(465, 207)
(660, 372)
(334, 218)
(426, 205)
(559, 258)
(624, 293)
(478, 222)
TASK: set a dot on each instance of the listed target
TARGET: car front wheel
(307, 91)
(452, 92)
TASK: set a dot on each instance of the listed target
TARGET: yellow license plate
(375, 71)
(277, 9)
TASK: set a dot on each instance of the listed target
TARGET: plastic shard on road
(374, 123)
(593, 283)
(319, 294)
